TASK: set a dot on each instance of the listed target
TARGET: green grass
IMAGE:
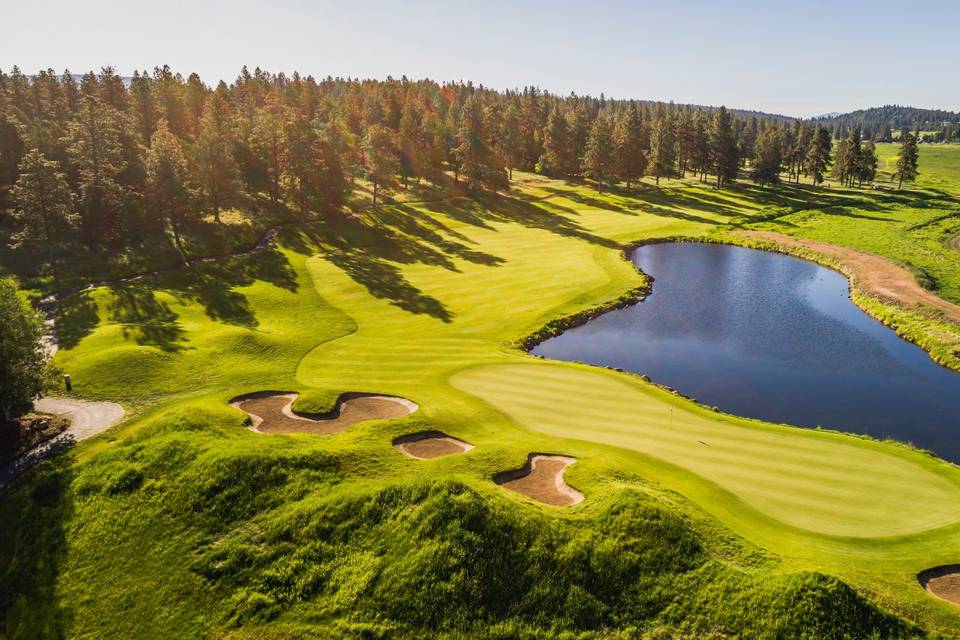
(694, 522)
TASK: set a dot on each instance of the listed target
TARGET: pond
(769, 336)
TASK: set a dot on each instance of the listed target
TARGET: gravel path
(86, 419)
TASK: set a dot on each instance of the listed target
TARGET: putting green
(811, 480)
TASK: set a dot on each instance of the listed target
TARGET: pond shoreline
(638, 294)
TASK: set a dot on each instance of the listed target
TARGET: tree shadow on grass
(146, 319)
(384, 280)
(213, 283)
(76, 317)
(38, 509)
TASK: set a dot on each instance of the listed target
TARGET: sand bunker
(954, 243)
(271, 412)
(943, 582)
(425, 445)
(542, 479)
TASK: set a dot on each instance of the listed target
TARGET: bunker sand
(942, 582)
(271, 412)
(425, 445)
(954, 243)
(872, 273)
(541, 478)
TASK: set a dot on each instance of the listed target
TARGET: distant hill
(894, 116)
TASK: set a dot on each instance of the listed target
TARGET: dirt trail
(426, 445)
(874, 274)
(542, 479)
(48, 304)
(87, 419)
(271, 412)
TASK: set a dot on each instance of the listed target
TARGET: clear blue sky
(799, 58)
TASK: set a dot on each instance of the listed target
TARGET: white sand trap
(541, 478)
(425, 445)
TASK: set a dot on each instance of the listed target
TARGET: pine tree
(578, 123)
(663, 152)
(434, 152)
(268, 142)
(908, 160)
(481, 167)
(817, 157)
(598, 159)
(409, 144)
(43, 206)
(557, 158)
(95, 153)
(867, 168)
(700, 151)
(724, 152)
(168, 193)
(631, 161)
(217, 175)
(850, 165)
(768, 156)
(143, 105)
(380, 160)
(843, 162)
(511, 139)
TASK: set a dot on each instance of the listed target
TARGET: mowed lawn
(427, 301)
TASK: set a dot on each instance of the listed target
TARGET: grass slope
(694, 522)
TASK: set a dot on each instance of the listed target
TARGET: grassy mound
(278, 537)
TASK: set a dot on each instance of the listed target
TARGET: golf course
(631, 504)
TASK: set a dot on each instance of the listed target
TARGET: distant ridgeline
(884, 124)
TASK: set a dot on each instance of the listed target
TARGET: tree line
(104, 164)
(881, 124)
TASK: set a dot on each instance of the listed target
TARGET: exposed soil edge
(942, 571)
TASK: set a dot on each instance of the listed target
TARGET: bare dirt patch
(942, 582)
(271, 412)
(425, 445)
(874, 274)
(541, 478)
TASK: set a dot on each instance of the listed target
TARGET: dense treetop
(105, 164)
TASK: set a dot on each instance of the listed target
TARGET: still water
(769, 336)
